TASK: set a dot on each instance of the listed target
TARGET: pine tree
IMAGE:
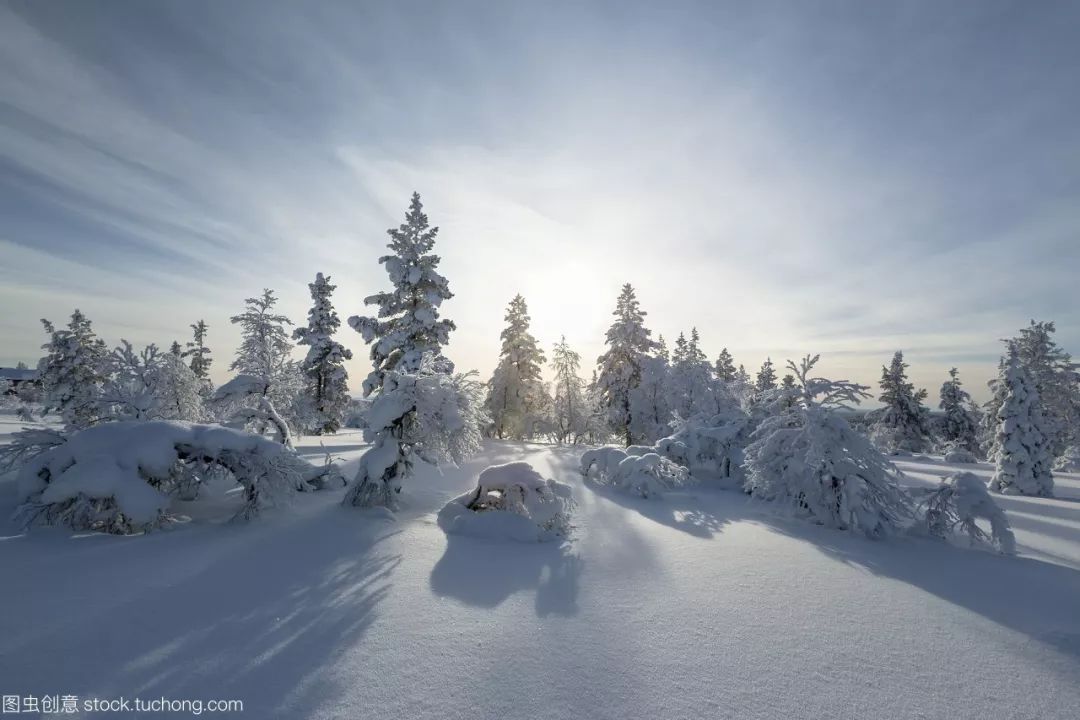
(629, 343)
(1023, 459)
(900, 425)
(725, 367)
(199, 353)
(693, 389)
(419, 408)
(570, 403)
(1056, 380)
(650, 402)
(175, 349)
(326, 382)
(73, 372)
(960, 428)
(766, 377)
(662, 350)
(516, 392)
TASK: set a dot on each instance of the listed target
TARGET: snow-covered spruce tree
(1055, 378)
(516, 394)
(200, 354)
(808, 457)
(766, 377)
(570, 406)
(725, 366)
(901, 425)
(72, 372)
(419, 408)
(693, 384)
(267, 382)
(326, 382)
(629, 343)
(960, 426)
(1023, 457)
(650, 403)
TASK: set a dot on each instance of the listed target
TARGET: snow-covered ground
(703, 604)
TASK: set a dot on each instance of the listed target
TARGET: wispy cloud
(786, 179)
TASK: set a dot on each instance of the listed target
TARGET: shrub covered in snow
(511, 501)
(709, 444)
(120, 477)
(960, 455)
(958, 503)
(646, 474)
(808, 457)
(1069, 462)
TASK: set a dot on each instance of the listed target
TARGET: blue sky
(845, 178)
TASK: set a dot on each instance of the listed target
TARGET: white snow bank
(512, 502)
(119, 477)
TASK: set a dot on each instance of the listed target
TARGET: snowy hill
(704, 604)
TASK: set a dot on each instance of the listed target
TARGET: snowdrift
(511, 502)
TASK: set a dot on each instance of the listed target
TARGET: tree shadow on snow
(1024, 594)
(696, 511)
(484, 573)
(258, 618)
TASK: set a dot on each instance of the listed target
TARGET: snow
(702, 604)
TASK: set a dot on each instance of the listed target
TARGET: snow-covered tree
(955, 506)
(960, 427)
(199, 353)
(766, 377)
(901, 425)
(725, 366)
(693, 385)
(629, 343)
(651, 413)
(419, 408)
(72, 372)
(263, 360)
(1056, 380)
(149, 385)
(516, 394)
(1023, 459)
(570, 407)
(808, 457)
(326, 382)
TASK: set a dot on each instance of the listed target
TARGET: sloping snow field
(701, 605)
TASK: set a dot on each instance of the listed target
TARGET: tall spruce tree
(73, 372)
(725, 366)
(960, 427)
(629, 343)
(901, 425)
(516, 393)
(1023, 458)
(410, 370)
(198, 352)
(766, 377)
(326, 382)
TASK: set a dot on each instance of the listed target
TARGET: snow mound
(512, 502)
(120, 477)
(958, 503)
(647, 474)
(959, 455)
